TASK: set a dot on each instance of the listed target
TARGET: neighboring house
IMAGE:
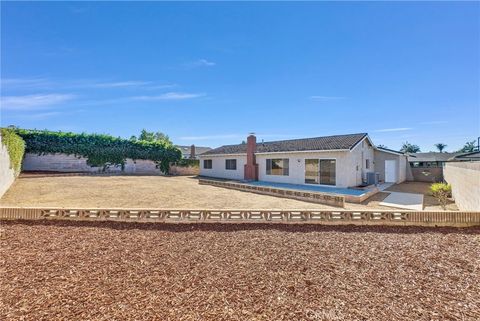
(192, 151)
(466, 157)
(428, 167)
(341, 160)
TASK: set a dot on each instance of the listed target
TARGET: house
(466, 157)
(428, 167)
(192, 151)
(340, 160)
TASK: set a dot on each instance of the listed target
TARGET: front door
(320, 171)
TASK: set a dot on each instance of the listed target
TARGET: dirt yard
(430, 203)
(148, 192)
(132, 271)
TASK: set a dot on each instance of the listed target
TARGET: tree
(152, 137)
(409, 148)
(440, 147)
(468, 147)
(382, 146)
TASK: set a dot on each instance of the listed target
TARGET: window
(207, 163)
(277, 166)
(320, 171)
(367, 163)
(231, 164)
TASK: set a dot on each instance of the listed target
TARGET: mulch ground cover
(133, 271)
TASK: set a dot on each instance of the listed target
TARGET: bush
(186, 162)
(100, 150)
(441, 191)
(15, 146)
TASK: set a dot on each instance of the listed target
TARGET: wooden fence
(333, 217)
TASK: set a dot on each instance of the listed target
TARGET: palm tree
(409, 148)
(440, 147)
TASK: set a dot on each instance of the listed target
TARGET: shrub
(100, 150)
(186, 162)
(441, 191)
(15, 146)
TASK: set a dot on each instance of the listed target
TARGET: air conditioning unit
(373, 178)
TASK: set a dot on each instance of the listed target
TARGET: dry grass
(145, 191)
(430, 202)
(127, 271)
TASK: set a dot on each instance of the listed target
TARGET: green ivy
(100, 150)
(15, 146)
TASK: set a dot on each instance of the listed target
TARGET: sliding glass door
(320, 171)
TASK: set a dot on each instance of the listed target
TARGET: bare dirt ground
(430, 203)
(178, 192)
(133, 271)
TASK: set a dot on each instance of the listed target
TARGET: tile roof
(198, 149)
(430, 157)
(304, 144)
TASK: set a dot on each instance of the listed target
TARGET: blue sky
(209, 73)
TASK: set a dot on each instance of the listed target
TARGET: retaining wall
(324, 217)
(465, 180)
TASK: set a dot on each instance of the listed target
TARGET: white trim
(361, 140)
(389, 152)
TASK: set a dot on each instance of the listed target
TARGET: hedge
(15, 146)
(100, 150)
(187, 162)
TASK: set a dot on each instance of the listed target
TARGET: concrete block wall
(70, 163)
(465, 180)
(7, 174)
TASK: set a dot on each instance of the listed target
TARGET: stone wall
(7, 174)
(71, 163)
(465, 180)
(427, 174)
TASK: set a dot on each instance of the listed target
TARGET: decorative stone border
(326, 217)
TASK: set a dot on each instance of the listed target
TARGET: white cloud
(169, 96)
(121, 84)
(26, 82)
(325, 98)
(399, 129)
(33, 102)
(199, 63)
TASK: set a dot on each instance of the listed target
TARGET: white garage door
(390, 171)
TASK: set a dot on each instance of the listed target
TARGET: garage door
(390, 171)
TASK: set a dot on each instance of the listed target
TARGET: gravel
(118, 271)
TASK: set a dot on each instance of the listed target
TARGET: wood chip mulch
(133, 271)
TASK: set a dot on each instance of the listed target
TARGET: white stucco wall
(71, 163)
(350, 165)
(7, 174)
(218, 167)
(401, 170)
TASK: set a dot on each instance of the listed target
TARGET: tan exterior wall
(71, 163)
(465, 180)
(7, 174)
(401, 170)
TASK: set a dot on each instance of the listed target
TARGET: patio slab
(408, 201)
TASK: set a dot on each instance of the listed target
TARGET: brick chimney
(192, 152)
(251, 167)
